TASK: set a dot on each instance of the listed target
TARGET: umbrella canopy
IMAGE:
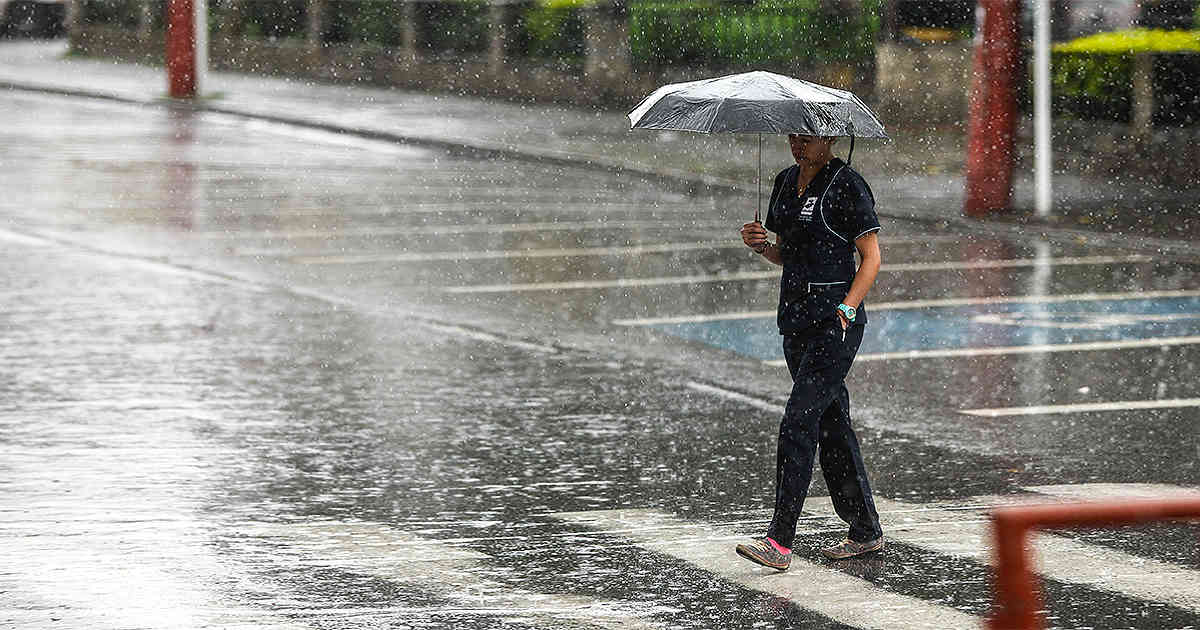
(756, 102)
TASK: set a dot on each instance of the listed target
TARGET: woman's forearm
(868, 268)
(863, 279)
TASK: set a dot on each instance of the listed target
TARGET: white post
(200, 22)
(1041, 106)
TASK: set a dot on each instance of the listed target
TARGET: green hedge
(459, 27)
(551, 29)
(441, 27)
(364, 21)
(122, 13)
(767, 32)
(662, 32)
(1092, 85)
(274, 19)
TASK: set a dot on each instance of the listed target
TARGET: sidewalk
(916, 176)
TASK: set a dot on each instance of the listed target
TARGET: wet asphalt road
(257, 377)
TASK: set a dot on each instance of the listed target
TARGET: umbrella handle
(758, 206)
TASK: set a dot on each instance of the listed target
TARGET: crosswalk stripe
(967, 534)
(452, 572)
(841, 597)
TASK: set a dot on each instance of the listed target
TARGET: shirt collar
(820, 180)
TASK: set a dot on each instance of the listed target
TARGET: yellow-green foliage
(1134, 41)
(564, 4)
(1092, 75)
(554, 29)
(770, 33)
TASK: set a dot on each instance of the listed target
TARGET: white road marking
(488, 337)
(146, 264)
(475, 205)
(1089, 346)
(1124, 405)
(961, 530)
(168, 268)
(455, 573)
(930, 303)
(699, 319)
(757, 403)
(570, 252)
(606, 284)
(1115, 491)
(825, 590)
(774, 274)
(1036, 299)
(1078, 320)
(476, 228)
(473, 228)
(1016, 262)
(23, 239)
(967, 534)
(450, 329)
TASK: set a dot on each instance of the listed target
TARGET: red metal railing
(1017, 600)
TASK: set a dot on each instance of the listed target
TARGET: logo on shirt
(806, 212)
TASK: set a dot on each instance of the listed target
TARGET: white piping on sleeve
(866, 231)
(821, 203)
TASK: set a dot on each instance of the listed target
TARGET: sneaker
(849, 548)
(763, 552)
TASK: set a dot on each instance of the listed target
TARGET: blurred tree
(1166, 14)
(1060, 20)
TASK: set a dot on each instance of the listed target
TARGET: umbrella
(757, 102)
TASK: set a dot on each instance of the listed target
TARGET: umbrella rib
(715, 112)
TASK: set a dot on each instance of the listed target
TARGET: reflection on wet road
(971, 326)
(261, 378)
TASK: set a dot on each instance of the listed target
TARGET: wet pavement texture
(920, 170)
(256, 376)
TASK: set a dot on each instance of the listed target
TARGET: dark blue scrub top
(818, 231)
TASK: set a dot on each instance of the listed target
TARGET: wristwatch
(848, 311)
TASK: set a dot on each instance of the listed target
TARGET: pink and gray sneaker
(761, 551)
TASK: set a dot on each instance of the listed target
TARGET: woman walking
(822, 212)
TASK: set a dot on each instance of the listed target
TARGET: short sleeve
(860, 217)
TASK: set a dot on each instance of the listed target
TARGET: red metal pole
(181, 49)
(1017, 599)
(992, 115)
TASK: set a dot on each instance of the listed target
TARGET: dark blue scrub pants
(818, 413)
